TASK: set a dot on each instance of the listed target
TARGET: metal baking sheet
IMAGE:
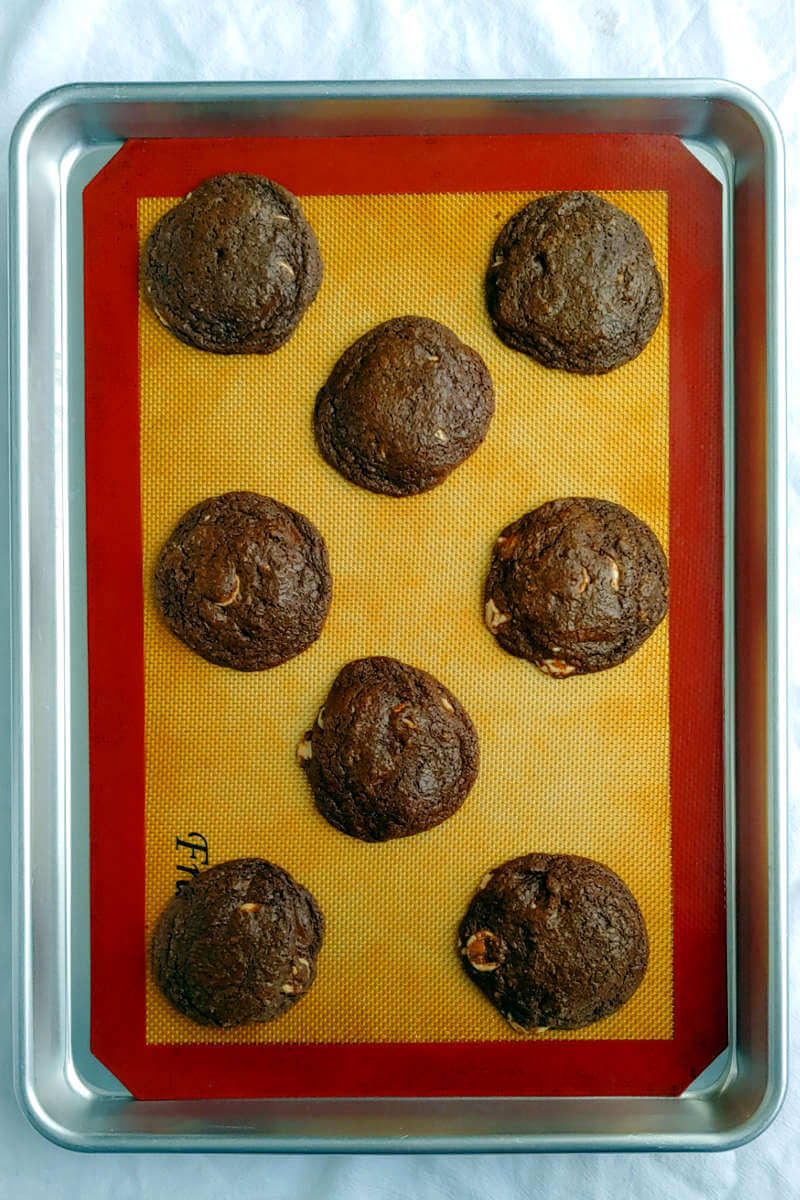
(59, 145)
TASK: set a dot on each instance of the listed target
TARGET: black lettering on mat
(194, 851)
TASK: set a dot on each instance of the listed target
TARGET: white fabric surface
(48, 42)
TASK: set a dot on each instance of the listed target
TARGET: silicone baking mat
(586, 766)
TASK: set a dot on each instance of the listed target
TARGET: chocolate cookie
(404, 405)
(573, 283)
(576, 586)
(554, 941)
(391, 753)
(234, 266)
(238, 943)
(244, 581)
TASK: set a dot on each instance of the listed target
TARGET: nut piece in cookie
(576, 586)
(404, 405)
(555, 941)
(395, 754)
(238, 943)
(572, 282)
(234, 266)
(244, 581)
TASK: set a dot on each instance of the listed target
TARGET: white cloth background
(48, 42)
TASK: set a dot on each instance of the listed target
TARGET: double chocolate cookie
(238, 943)
(244, 581)
(554, 941)
(391, 753)
(234, 266)
(576, 586)
(404, 405)
(573, 283)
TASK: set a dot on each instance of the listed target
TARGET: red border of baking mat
(115, 618)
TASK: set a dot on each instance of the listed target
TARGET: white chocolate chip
(403, 719)
(285, 267)
(431, 357)
(234, 594)
(505, 544)
(280, 217)
(521, 1029)
(614, 581)
(494, 617)
(296, 984)
(304, 751)
(441, 436)
(321, 717)
(484, 950)
(249, 908)
(485, 880)
(446, 705)
(555, 667)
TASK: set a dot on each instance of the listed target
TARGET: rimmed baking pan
(60, 146)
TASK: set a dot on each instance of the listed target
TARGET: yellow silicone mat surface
(578, 765)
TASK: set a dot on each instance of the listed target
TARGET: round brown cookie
(576, 586)
(391, 753)
(573, 283)
(404, 405)
(234, 266)
(238, 943)
(244, 581)
(554, 941)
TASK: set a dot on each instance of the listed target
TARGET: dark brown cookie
(391, 753)
(576, 586)
(234, 266)
(244, 581)
(554, 941)
(573, 283)
(238, 943)
(404, 405)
